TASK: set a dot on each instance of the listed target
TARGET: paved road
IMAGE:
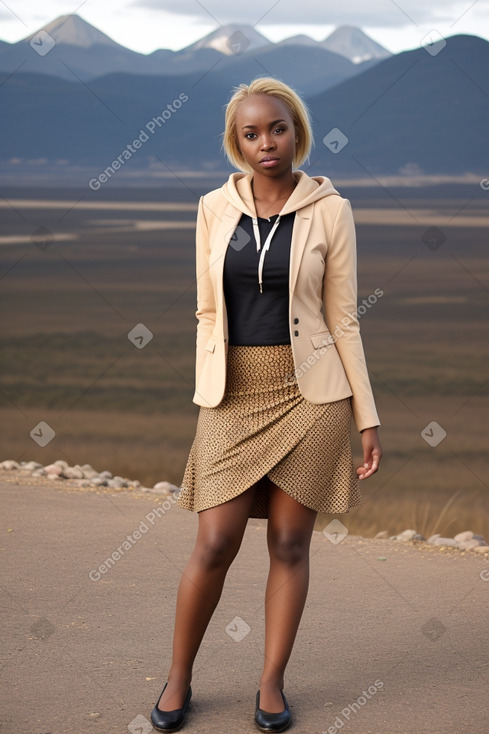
(393, 640)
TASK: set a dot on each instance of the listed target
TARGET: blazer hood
(237, 190)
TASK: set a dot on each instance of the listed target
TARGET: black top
(254, 317)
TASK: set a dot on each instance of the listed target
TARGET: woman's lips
(269, 163)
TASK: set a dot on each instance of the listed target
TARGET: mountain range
(424, 111)
(81, 50)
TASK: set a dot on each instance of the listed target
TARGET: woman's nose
(267, 143)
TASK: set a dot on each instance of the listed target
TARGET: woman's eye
(281, 129)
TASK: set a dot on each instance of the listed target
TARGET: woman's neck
(269, 190)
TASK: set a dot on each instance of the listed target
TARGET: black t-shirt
(254, 317)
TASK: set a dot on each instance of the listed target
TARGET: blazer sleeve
(206, 307)
(340, 307)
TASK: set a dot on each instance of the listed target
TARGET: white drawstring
(266, 246)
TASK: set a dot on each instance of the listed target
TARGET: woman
(277, 384)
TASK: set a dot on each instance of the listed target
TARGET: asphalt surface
(393, 639)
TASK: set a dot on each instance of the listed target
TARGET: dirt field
(77, 277)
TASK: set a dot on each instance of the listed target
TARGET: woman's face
(264, 128)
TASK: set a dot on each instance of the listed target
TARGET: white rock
(62, 463)
(53, 476)
(106, 474)
(53, 469)
(469, 544)
(89, 473)
(481, 549)
(462, 537)
(434, 537)
(167, 487)
(10, 464)
(450, 542)
(73, 472)
(406, 535)
(382, 535)
(99, 481)
(32, 465)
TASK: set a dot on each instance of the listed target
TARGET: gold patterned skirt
(265, 426)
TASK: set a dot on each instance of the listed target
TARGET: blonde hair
(298, 110)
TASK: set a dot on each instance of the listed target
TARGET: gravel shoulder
(393, 639)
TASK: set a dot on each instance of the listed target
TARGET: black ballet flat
(170, 720)
(269, 722)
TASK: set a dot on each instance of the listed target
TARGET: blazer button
(296, 321)
(296, 333)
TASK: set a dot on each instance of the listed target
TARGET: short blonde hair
(298, 110)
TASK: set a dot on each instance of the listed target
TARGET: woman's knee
(216, 550)
(289, 546)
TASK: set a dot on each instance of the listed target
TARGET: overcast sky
(145, 25)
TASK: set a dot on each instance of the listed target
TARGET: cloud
(7, 14)
(381, 14)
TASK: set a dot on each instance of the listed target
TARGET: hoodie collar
(237, 191)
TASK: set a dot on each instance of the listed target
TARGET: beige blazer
(328, 353)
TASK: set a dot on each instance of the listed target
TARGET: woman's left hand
(372, 452)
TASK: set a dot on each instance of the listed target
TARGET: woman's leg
(289, 532)
(219, 537)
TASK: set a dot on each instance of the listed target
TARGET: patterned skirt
(264, 426)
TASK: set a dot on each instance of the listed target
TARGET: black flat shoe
(170, 720)
(266, 721)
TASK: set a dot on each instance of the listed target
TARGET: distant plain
(79, 270)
